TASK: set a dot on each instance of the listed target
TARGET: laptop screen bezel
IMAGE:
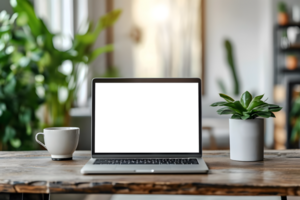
(145, 80)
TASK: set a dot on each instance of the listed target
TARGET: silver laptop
(146, 125)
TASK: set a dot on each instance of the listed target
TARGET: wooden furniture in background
(280, 136)
(34, 172)
(212, 141)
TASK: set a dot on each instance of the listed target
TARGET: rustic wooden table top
(35, 172)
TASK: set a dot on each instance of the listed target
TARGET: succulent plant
(247, 107)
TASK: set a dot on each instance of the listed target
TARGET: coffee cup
(61, 142)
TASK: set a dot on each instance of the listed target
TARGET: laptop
(146, 126)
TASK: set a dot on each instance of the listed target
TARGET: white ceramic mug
(61, 142)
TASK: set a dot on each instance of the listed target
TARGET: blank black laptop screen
(146, 118)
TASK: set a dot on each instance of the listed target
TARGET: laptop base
(91, 168)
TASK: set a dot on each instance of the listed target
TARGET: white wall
(246, 23)
(96, 9)
(123, 54)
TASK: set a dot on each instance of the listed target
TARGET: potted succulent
(282, 15)
(246, 124)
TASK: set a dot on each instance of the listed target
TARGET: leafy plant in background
(282, 15)
(50, 59)
(247, 107)
(232, 67)
(30, 72)
(18, 80)
(282, 7)
(295, 120)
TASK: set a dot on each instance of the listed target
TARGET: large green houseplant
(50, 59)
(30, 72)
(18, 98)
(246, 128)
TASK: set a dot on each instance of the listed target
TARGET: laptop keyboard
(163, 161)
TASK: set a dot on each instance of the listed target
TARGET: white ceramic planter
(246, 139)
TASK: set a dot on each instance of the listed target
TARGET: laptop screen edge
(144, 80)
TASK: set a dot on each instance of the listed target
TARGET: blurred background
(51, 49)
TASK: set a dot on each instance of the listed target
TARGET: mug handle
(36, 139)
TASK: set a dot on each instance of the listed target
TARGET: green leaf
(13, 18)
(4, 16)
(255, 103)
(1, 93)
(263, 107)
(244, 117)
(9, 49)
(28, 129)
(275, 109)
(9, 88)
(16, 56)
(6, 37)
(9, 133)
(219, 103)
(30, 46)
(259, 97)
(236, 116)
(295, 130)
(2, 45)
(24, 61)
(4, 29)
(21, 6)
(104, 22)
(247, 115)
(272, 115)
(246, 99)
(25, 116)
(225, 111)
(2, 106)
(16, 143)
(264, 114)
(294, 134)
(98, 51)
(110, 18)
(222, 86)
(44, 61)
(232, 66)
(236, 106)
(22, 19)
(296, 107)
(268, 107)
(226, 97)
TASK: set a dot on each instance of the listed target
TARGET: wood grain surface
(35, 172)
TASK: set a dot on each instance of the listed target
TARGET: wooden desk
(35, 172)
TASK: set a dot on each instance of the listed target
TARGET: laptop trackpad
(143, 169)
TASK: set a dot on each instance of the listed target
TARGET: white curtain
(170, 43)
